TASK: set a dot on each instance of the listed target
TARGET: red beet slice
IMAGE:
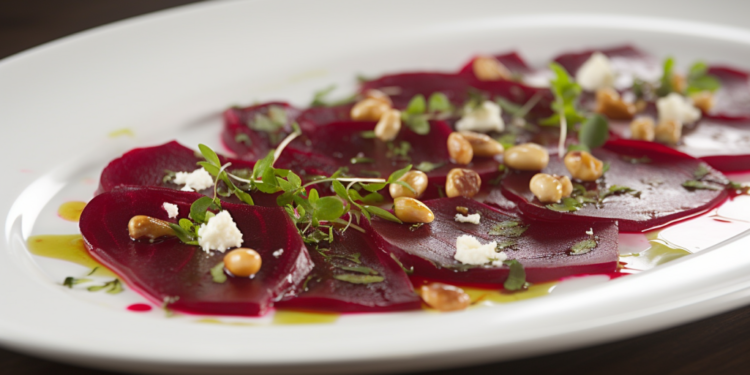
(403, 87)
(658, 178)
(147, 167)
(543, 248)
(361, 257)
(733, 98)
(512, 60)
(335, 145)
(629, 57)
(170, 268)
(250, 132)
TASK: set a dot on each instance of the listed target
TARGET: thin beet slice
(511, 60)
(342, 144)
(543, 247)
(657, 172)
(311, 118)
(627, 60)
(376, 282)
(148, 166)
(253, 131)
(170, 268)
(403, 87)
(733, 98)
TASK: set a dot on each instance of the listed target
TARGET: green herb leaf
(439, 102)
(594, 132)
(328, 208)
(398, 174)
(359, 279)
(698, 185)
(408, 271)
(506, 244)
(217, 273)
(199, 207)
(566, 205)
(262, 165)
(516, 277)
(113, 287)
(701, 172)
(359, 269)
(340, 190)
(70, 281)
(417, 105)
(417, 123)
(665, 87)
(243, 138)
(426, 166)
(381, 213)
(699, 80)
(367, 134)
(583, 247)
(508, 228)
(210, 155)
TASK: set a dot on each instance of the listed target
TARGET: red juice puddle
(139, 307)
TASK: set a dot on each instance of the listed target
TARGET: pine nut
(410, 210)
(527, 157)
(462, 183)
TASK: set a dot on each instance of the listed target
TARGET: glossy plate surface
(72, 105)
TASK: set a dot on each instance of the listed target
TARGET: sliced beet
(148, 166)
(358, 256)
(403, 87)
(627, 58)
(170, 268)
(656, 171)
(733, 98)
(543, 248)
(511, 60)
(251, 132)
(314, 117)
(334, 146)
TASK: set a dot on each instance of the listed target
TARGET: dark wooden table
(718, 345)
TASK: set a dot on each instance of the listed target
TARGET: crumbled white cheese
(473, 218)
(470, 251)
(172, 210)
(482, 119)
(196, 180)
(219, 233)
(678, 108)
(596, 73)
(590, 232)
(277, 253)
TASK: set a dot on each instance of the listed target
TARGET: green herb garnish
(359, 279)
(583, 247)
(508, 228)
(217, 273)
(516, 277)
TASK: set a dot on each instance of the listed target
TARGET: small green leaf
(381, 213)
(567, 205)
(359, 269)
(262, 165)
(665, 87)
(359, 279)
(210, 155)
(698, 185)
(516, 277)
(408, 271)
(506, 244)
(70, 281)
(199, 207)
(398, 174)
(244, 197)
(217, 273)
(417, 105)
(243, 138)
(312, 196)
(328, 208)
(340, 190)
(578, 147)
(367, 134)
(594, 132)
(701, 172)
(426, 166)
(419, 125)
(439, 102)
(583, 247)
(508, 228)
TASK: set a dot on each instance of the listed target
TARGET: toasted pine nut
(487, 68)
(567, 186)
(679, 83)
(445, 297)
(410, 210)
(141, 226)
(527, 157)
(416, 179)
(243, 262)
(462, 183)
(482, 144)
(369, 110)
(389, 125)
(583, 166)
(460, 149)
(379, 95)
(546, 188)
(669, 132)
(642, 128)
(610, 104)
(703, 100)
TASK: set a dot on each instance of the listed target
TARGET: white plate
(169, 75)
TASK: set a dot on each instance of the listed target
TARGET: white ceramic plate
(168, 75)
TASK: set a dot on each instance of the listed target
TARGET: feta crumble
(219, 233)
(473, 218)
(596, 73)
(482, 119)
(277, 253)
(172, 210)
(590, 232)
(196, 180)
(470, 251)
(678, 108)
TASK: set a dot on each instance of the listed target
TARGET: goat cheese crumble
(277, 253)
(172, 210)
(470, 251)
(473, 218)
(196, 180)
(678, 108)
(596, 73)
(219, 233)
(482, 119)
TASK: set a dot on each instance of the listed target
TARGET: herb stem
(218, 177)
(529, 105)
(349, 224)
(345, 179)
(563, 132)
(289, 138)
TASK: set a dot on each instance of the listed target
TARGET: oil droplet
(124, 132)
(482, 296)
(217, 321)
(659, 253)
(139, 307)
(67, 247)
(298, 317)
(71, 211)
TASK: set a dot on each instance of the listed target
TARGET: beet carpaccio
(498, 175)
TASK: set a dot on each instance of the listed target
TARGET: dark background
(718, 345)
